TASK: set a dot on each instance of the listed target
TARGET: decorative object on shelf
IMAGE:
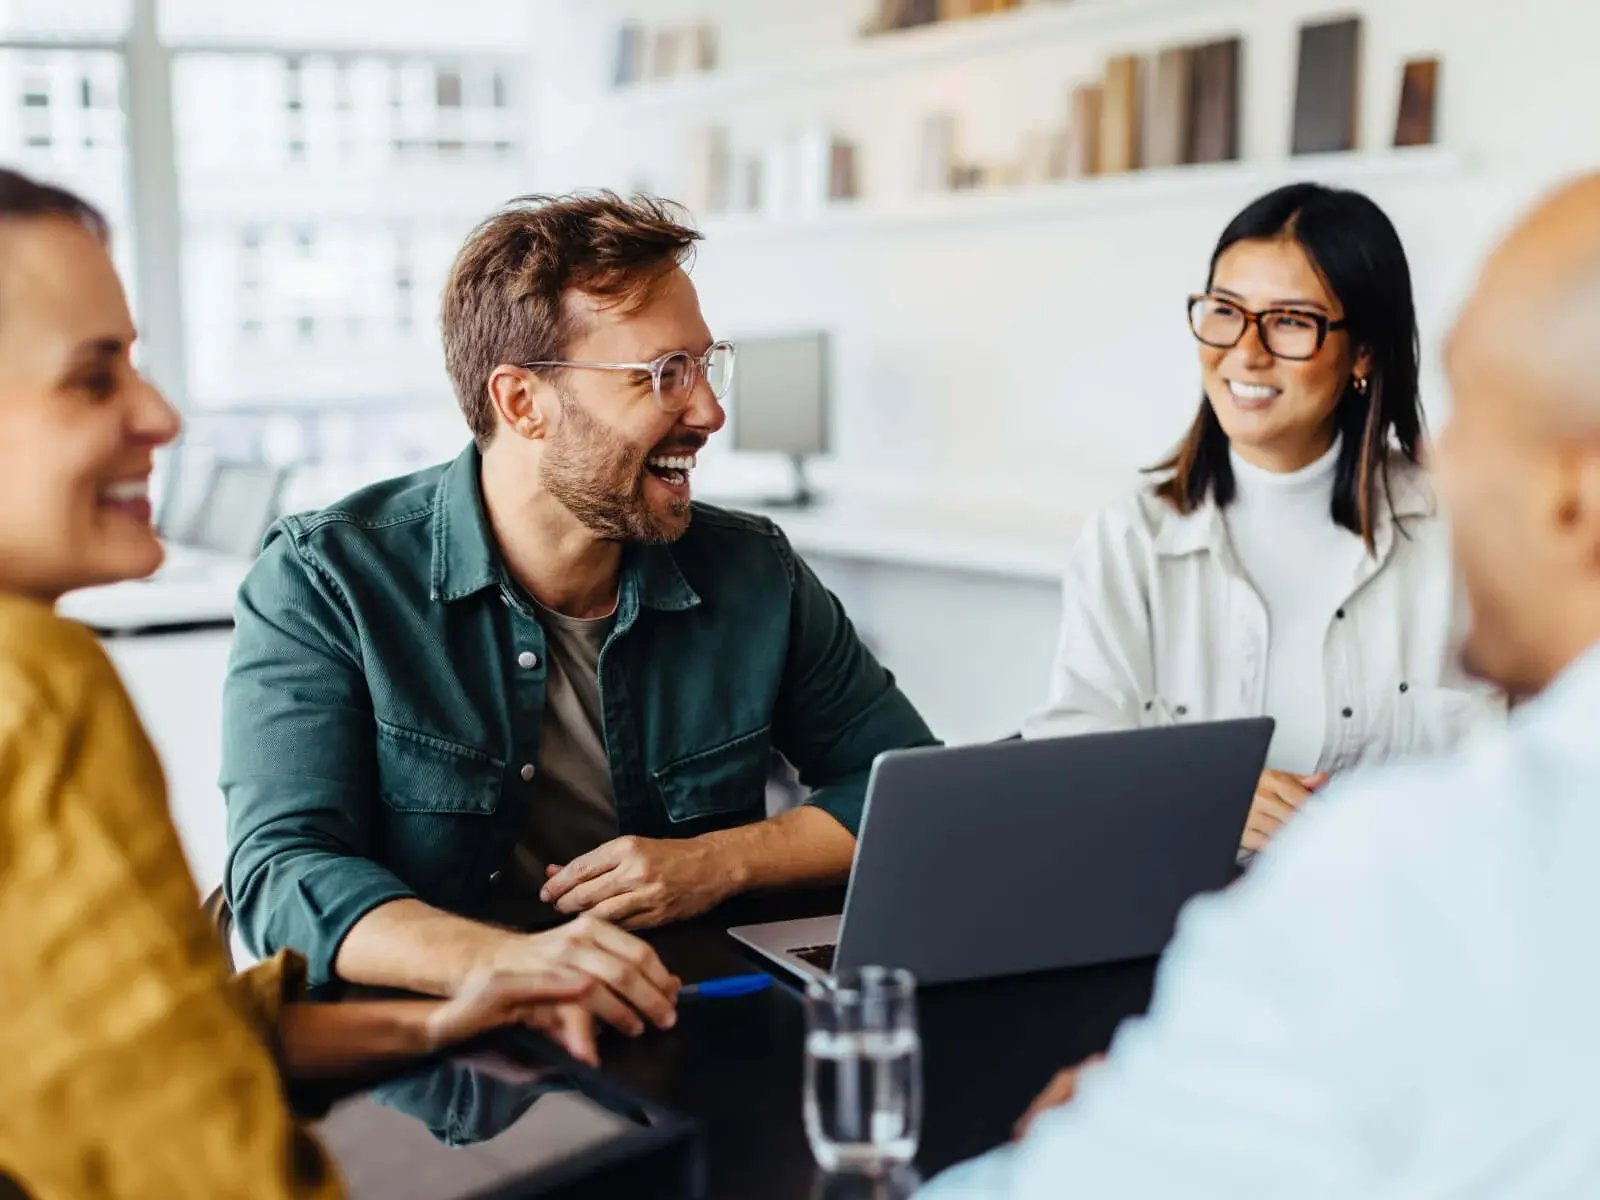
(1414, 123)
(747, 184)
(662, 53)
(1213, 134)
(936, 153)
(798, 174)
(1083, 132)
(1118, 148)
(707, 183)
(1327, 88)
(1041, 158)
(1167, 116)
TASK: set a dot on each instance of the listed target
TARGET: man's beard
(599, 479)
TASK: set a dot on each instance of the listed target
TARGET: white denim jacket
(1161, 625)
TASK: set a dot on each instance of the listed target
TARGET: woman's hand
(548, 1001)
(354, 1036)
(1056, 1093)
(1279, 796)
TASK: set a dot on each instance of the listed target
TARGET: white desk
(962, 604)
(1013, 544)
(194, 589)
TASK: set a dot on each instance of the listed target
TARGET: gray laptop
(1030, 855)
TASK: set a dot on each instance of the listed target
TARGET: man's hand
(1056, 1093)
(1279, 796)
(640, 882)
(630, 978)
(549, 1001)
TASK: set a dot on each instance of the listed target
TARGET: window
(61, 119)
(324, 197)
(323, 188)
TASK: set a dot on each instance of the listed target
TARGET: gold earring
(1361, 384)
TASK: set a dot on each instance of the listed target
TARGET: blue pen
(728, 985)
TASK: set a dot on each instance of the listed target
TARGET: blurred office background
(957, 271)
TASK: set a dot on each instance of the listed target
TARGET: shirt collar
(1202, 529)
(466, 559)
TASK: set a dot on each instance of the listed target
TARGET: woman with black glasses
(1290, 560)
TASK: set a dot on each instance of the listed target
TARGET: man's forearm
(804, 846)
(411, 945)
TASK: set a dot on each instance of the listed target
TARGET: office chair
(215, 906)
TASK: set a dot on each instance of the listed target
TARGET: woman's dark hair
(24, 197)
(1355, 248)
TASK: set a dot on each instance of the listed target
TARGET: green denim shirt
(381, 714)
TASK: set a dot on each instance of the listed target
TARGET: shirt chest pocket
(422, 774)
(726, 780)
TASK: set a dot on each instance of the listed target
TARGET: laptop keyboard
(820, 957)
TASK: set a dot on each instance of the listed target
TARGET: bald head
(1519, 462)
(1532, 326)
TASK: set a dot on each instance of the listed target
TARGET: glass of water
(863, 1080)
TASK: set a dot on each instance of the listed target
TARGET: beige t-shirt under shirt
(573, 809)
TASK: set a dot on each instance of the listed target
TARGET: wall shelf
(1103, 195)
(924, 45)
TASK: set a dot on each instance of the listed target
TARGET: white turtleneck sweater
(1303, 566)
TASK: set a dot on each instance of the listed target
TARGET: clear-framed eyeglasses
(1293, 333)
(672, 376)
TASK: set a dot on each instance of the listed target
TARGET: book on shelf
(1419, 89)
(843, 182)
(1118, 149)
(1083, 132)
(629, 66)
(1213, 125)
(664, 45)
(1167, 114)
(701, 48)
(1327, 87)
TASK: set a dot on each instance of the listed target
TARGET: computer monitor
(779, 402)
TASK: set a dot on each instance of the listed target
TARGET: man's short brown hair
(505, 299)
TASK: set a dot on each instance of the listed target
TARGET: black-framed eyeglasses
(1292, 333)
(673, 375)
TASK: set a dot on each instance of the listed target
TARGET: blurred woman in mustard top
(131, 1063)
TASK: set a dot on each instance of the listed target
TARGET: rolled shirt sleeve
(298, 765)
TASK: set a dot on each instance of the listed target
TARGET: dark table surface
(735, 1065)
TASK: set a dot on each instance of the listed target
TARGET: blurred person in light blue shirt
(1403, 999)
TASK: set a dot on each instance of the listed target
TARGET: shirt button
(527, 660)
(1348, 713)
(1340, 614)
(527, 772)
(1404, 688)
(494, 876)
(1183, 710)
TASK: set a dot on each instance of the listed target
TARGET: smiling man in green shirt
(537, 681)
